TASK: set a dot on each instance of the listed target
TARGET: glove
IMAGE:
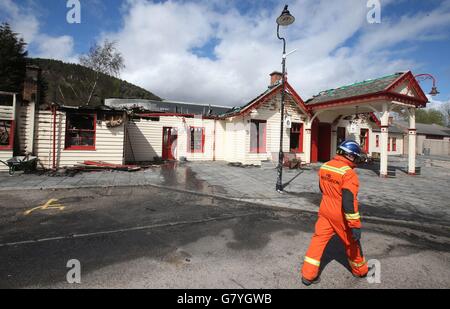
(356, 234)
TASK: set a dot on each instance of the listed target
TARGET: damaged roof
(166, 106)
(357, 89)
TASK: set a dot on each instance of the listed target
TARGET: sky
(222, 52)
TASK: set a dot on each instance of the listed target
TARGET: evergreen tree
(12, 60)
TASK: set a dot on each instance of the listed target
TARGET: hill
(69, 84)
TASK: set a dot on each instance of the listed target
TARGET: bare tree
(105, 59)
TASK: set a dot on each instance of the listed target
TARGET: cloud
(335, 46)
(221, 52)
(24, 21)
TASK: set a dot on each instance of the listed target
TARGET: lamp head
(285, 18)
(434, 92)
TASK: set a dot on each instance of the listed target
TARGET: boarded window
(196, 140)
(6, 134)
(297, 137)
(258, 136)
(80, 131)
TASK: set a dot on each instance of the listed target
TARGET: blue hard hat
(351, 147)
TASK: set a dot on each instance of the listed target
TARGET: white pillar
(307, 140)
(412, 142)
(384, 141)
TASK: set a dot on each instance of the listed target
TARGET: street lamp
(284, 20)
(421, 77)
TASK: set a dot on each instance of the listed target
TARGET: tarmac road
(145, 237)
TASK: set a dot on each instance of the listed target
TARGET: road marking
(131, 229)
(51, 204)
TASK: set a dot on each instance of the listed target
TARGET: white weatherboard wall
(109, 142)
(145, 137)
(5, 155)
(26, 127)
(398, 136)
(238, 137)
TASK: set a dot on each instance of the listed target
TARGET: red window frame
(81, 147)
(377, 138)
(300, 138)
(258, 148)
(10, 146)
(394, 144)
(190, 149)
(389, 144)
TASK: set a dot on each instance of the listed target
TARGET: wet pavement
(148, 237)
(422, 200)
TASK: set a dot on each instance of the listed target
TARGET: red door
(170, 137)
(324, 143)
(315, 141)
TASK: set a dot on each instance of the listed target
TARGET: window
(389, 144)
(258, 136)
(80, 131)
(377, 141)
(297, 137)
(394, 144)
(196, 140)
(6, 134)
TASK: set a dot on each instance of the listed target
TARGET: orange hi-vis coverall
(338, 214)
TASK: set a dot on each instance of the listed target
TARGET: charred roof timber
(167, 107)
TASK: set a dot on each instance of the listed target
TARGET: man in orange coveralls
(338, 213)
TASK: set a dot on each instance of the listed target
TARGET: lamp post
(421, 77)
(284, 20)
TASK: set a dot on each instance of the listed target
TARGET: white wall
(145, 137)
(109, 142)
(26, 127)
(238, 136)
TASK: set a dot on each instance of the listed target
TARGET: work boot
(365, 275)
(308, 282)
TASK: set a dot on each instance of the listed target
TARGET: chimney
(31, 84)
(275, 77)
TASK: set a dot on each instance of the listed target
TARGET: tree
(103, 60)
(12, 60)
(430, 116)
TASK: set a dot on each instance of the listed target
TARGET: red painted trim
(394, 144)
(257, 103)
(369, 97)
(189, 149)
(54, 136)
(82, 148)
(12, 128)
(263, 99)
(375, 118)
(298, 99)
(175, 115)
(409, 78)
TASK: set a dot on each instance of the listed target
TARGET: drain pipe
(54, 136)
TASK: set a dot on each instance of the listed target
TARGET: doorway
(169, 145)
(324, 142)
(320, 142)
(364, 140)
